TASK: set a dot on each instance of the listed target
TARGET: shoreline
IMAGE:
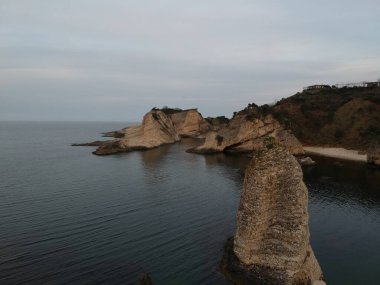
(336, 152)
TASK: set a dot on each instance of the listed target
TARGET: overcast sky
(116, 59)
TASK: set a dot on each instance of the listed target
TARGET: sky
(97, 60)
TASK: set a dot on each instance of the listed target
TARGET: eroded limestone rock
(156, 129)
(306, 161)
(159, 127)
(246, 132)
(271, 244)
(189, 123)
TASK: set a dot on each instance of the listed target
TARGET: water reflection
(234, 161)
(107, 220)
(343, 181)
(153, 158)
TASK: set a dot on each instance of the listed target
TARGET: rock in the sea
(271, 244)
(189, 123)
(373, 155)
(156, 129)
(246, 132)
(94, 143)
(287, 139)
(159, 127)
(306, 161)
(115, 134)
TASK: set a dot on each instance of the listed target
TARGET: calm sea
(70, 217)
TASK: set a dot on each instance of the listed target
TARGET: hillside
(347, 117)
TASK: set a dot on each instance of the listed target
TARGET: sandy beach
(336, 152)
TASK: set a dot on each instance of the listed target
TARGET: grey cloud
(114, 60)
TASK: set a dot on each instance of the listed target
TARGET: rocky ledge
(271, 244)
(246, 132)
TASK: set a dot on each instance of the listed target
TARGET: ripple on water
(69, 217)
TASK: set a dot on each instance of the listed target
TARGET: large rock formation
(243, 133)
(189, 123)
(246, 132)
(156, 129)
(271, 244)
(373, 155)
(159, 127)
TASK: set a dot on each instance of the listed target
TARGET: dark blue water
(69, 217)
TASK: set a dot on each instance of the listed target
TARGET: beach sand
(336, 152)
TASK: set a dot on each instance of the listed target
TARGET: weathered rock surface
(373, 155)
(189, 123)
(159, 127)
(156, 129)
(287, 139)
(306, 161)
(271, 244)
(246, 132)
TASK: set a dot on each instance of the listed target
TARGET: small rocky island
(271, 244)
(158, 127)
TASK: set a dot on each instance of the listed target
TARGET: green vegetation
(348, 117)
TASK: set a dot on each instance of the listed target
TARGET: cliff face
(190, 123)
(158, 127)
(345, 117)
(246, 132)
(271, 244)
(155, 130)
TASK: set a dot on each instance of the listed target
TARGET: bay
(70, 217)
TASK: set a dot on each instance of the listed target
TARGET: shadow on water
(344, 213)
(341, 179)
(234, 161)
(153, 157)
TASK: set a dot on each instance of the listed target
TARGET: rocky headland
(246, 132)
(271, 244)
(159, 127)
(347, 117)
